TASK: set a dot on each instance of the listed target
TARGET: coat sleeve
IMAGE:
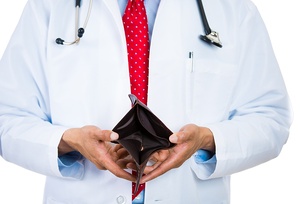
(260, 114)
(28, 138)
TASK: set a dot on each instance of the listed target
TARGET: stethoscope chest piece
(213, 38)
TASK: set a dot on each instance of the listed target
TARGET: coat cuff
(204, 164)
(71, 165)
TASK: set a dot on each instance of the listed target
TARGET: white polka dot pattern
(137, 38)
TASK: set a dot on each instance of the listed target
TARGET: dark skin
(95, 145)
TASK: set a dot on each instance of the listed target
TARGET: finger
(122, 153)
(153, 158)
(178, 138)
(131, 165)
(99, 134)
(117, 147)
(123, 163)
(149, 169)
(118, 171)
(163, 154)
(106, 135)
(160, 169)
(110, 135)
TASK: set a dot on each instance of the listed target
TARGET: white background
(275, 182)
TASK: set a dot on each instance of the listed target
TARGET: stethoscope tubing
(207, 29)
(78, 31)
(210, 36)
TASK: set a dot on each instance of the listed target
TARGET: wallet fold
(142, 133)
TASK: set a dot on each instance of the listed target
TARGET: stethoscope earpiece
(79, 31)
(59, 41)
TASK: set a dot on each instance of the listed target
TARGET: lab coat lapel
(114, 9)
(167, 29)
(166, 46)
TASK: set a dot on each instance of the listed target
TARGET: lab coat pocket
(189, 75)
(209, 87)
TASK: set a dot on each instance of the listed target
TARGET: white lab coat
(237, 91)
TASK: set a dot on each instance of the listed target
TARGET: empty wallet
(142, 133)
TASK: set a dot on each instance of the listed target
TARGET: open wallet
(141, 133)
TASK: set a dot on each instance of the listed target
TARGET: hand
(188, 140)
(95, 145)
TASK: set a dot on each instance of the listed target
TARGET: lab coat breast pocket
(209, 89)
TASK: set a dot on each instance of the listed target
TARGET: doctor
(228, 107)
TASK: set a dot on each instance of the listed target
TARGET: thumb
(114, 136)
(177, 138)
(107, 135)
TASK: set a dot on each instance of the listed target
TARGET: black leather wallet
(141, 133)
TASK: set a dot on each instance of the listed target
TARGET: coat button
(121, 200)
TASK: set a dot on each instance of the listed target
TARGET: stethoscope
(78, 31)
(211, 37)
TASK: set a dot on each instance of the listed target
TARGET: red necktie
(137, 38)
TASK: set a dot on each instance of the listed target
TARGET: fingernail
(114, 136)
(173, 138)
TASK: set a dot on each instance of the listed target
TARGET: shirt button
(121, 200)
